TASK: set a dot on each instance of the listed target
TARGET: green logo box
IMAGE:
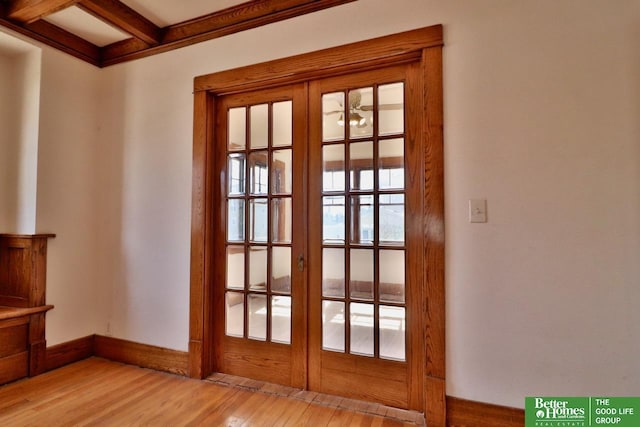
(582, 411)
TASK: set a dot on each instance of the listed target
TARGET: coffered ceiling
(107, 32)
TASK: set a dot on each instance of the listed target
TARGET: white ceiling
(85, 25)
(169, 12)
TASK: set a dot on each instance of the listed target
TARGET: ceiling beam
(122, 16)
(242, 17)
(27, 11)
(148, 38)
(57, 38)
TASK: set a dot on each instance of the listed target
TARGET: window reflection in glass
(236, 174)
(361, 322)
(362, 231)
(333, 272)
(281, 269)
(259, 123)
(235, 267)
(391, 164)
(333, 219)
(258, 220)
(259, 172)
(361, 113)
(281, 217)
(333, 116)
(391, 109)
(258, 268)
(282, 123)
(391, 218)
(234, 314)
(333, 322)
(392, 332)
(333, 177)
(237, 128)
(361, 165)
(281, 319)
(361, 273)
(257, 317)
(235, 220)
(391, 273)
(281, 172)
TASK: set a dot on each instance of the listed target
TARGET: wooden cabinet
(22, 305)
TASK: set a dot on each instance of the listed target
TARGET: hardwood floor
(99, 392)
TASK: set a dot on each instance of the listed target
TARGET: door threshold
(321, 399)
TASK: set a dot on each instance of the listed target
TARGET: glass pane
(333, 222)
(361, 320)
(282, 123)
(258, 268)
(235, 220)
(236, 174)
(281, 319)
(391, 275)
(234, 314)
(391, 219)
(281, 220)
(258, 220)
(281, 270)
(333, 174)
(362, 220)
(259, 172)
(281, 170)
(392, 332)
(391, 109)
(333, 116)
(361, 165)
(391, 164)
(237, 129)
(333, 272)
(235, 267)
(361, 113)
(257, 317)
(333, 325)
(259, 123)
(361, 277)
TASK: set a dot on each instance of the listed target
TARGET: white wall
(19, 103)
(27, 104)
(542, 101)
(67, 202)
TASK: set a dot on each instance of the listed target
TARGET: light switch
(478, 210)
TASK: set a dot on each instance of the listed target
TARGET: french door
(364, 179)
(318, 249)
(260, 291)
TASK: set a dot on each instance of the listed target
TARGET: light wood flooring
(99, 392)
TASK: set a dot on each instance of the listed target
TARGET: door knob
(301, 262)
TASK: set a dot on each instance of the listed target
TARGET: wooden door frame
(422, 46)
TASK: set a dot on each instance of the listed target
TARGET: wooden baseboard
(68, 352)
(146, 356)
(467, 413)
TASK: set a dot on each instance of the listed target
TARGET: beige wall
(542, 101)
(19, 108)
(68, 194)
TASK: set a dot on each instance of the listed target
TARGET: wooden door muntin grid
(347, 372)
(242, 351)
